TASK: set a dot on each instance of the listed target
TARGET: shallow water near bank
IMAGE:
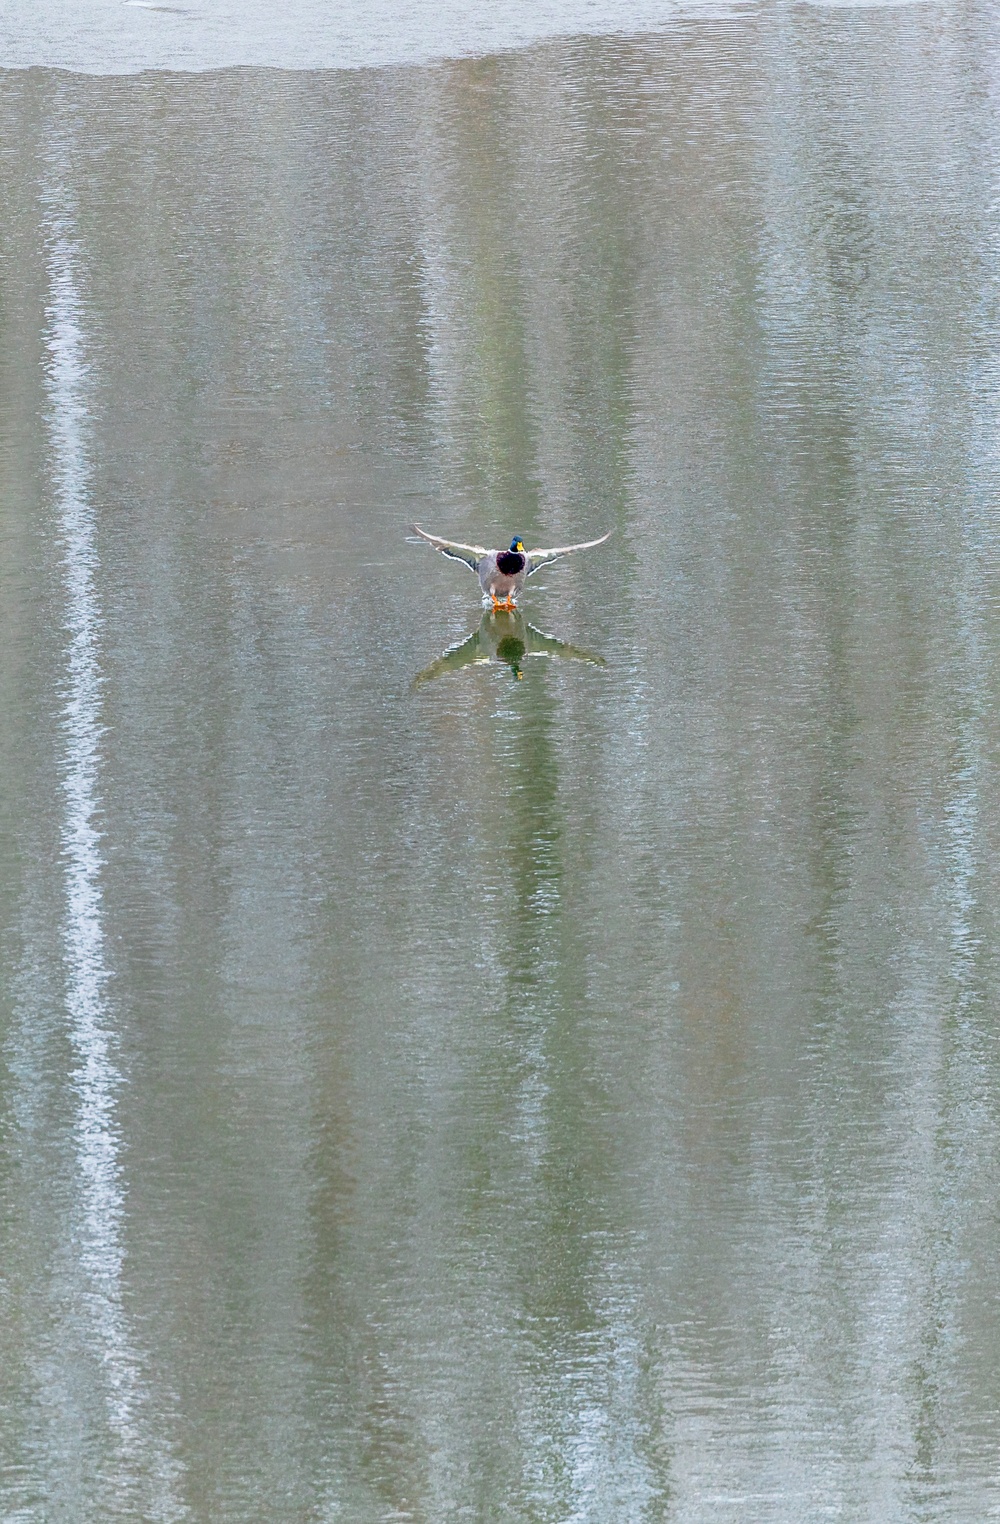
(504, 1067)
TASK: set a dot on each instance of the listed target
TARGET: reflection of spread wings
(503, 638)
(468, 650)
(539, 558)
(548, 645)
(471, 555)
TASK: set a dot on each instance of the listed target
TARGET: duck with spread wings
(502, 573)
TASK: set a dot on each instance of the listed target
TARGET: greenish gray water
(436, 1093)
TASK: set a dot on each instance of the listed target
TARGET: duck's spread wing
(471, 555)
(540, 558)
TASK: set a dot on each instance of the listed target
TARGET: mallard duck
(502, 573)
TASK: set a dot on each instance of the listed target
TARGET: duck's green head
(516, 544)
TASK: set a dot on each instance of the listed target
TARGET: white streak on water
(96, 1079)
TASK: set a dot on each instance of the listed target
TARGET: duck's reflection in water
(503, 636)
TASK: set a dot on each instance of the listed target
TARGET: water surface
(542, 1070)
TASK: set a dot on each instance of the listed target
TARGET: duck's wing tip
(539, 558)
(471, 555)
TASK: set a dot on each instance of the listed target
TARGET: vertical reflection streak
(135, 1472)
(962, 808)
(96, 1078)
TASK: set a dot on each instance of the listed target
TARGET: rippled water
(537, 1067)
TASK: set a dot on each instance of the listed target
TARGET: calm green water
(558, 1082)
